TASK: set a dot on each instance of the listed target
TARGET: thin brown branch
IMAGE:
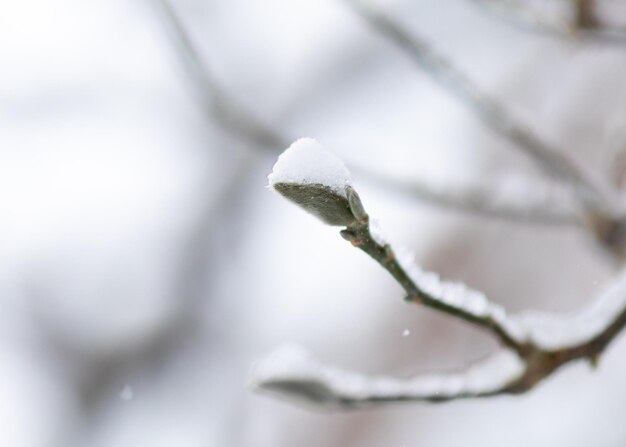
(292, 372)
(534, 344)
(471, 308)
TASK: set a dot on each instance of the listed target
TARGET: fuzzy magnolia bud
(318, 200)
(310, 176)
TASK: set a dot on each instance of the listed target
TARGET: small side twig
(473, 307)
(584, 14)
(291, 371)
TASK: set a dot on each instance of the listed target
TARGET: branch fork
(532, 345)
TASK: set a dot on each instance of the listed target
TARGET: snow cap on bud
(315, 179)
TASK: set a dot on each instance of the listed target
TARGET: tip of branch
(315, 179)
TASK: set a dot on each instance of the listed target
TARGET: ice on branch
(552, 332)
(457, 296)
(292, 372)
(315, 179)
(544, 330)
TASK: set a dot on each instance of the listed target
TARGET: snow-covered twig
(533, 344)
(292, 371)
(584, 13)
(594, 195)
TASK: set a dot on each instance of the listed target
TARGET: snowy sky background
(139, 284)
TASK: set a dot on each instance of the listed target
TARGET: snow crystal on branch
(306, 162)
(452, 294)
(552, 332)
(544, 330)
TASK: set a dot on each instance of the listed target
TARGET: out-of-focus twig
(525, 202)
(189, 283)
(584, 25)
(594, 195)
(478, 200)
(214, 99)
(188, 289)
(527, 16)
(584, 14)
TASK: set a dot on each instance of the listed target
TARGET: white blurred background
(144, 266)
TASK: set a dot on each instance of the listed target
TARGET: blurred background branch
(593, 194)
(583, 24)
(531, 204)
(206, 90)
